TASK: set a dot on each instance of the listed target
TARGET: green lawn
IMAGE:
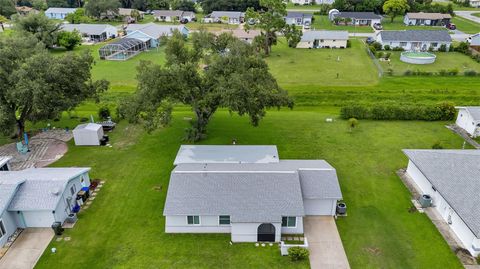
(310, 8)
(294, 67)
(124, 226)
(465, 25)
(445, 61)
(476, 14)
(323, 23)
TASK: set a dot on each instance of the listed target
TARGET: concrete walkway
(27, 249)
(325, 245)
(468, 15)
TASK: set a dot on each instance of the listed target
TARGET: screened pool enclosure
(122, 49)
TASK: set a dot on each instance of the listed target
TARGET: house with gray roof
(58, 13)
(415, 40)
(38, 197)
(426, 19)
(298, 18)
(151, 33)
(92, 32)
(173, 15)
(357, 18)
(452, 179)
(474, 42)
(323, 39)
(229, 17)
(253, 197)
(468, 118)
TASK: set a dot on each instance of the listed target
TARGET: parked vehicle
(377, 26)
(451, 26)
(306, 26)
(370, 40)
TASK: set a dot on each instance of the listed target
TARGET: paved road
(27, 249)
(468, 15)
(324, 243)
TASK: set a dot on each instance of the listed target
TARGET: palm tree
(2, 21)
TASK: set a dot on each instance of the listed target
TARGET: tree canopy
(7, 8)
(77, 17)
(44, 29)
(69, 40)
(99, 8)
(229, 5)
(37, 85)
(394, 8)
(211, 74)
(185, 5)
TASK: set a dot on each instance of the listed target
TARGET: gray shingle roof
(428, 16)
(60, 10)
(416, 35)
(359, 15)
(310, 36)
(8, 188)
(226, 154)
(42, 189)
(88, 29)
(168, 13)
(154, 30)
(475, 40)
(294, 14)
(229, 14)
(455, 174)
(474, 111)
(250, 192)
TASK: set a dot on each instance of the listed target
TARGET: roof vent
(56, 191)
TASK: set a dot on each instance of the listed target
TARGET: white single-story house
(229, 17)
(451, 178)
(415, 40)
(359, 18)
(251, 199)
(92, 32)
(58, 12)
(242, 34)
(310, 2)
(173, 15)
(298, 18)
(88, 134)
(38, 197)
(468, 118)
(475, 3)
(151, 33)
(4, 163)
(323, 39)
(474, 42)
(426, 19)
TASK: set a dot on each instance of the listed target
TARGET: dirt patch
(373, 251)
(157, 188)
(130, 135)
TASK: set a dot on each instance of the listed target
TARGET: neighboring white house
(474, 42)
(298, 18)
(475, 3)
(38, 197)
(250, 197)
(151, 33)
(451, 178)
(323, 39)
(229, 17)
(88, 134)
(173, 15)
(58, 12)
(310, 2)
(415, 40)
(243, 35)
(92, 32)
(468, 118)
(358, 18)
(427, 19)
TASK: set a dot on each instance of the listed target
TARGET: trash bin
(82, 195)
(106, 138)
(71, 218)
(57, 228)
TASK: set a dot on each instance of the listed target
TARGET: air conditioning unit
(425, 200)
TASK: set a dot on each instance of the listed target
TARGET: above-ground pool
(413, 57)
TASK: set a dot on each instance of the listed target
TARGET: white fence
(284, 247)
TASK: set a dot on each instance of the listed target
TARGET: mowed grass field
(124, 226)
(465, 25)
(444, 60)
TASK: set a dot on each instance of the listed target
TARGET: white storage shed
(88, 134)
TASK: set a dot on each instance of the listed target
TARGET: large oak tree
(35, 85)
(215, 72)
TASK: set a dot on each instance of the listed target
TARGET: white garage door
(38, 218)
(318, 207)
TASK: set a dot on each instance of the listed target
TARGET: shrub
(298, 253)
(442, 48)
(443, 112)
(352, 123)
(437, 145)
(354, 111)
(372, 49)
(349, 43)
(376, 45)
(387, 47)
(470, 73)
(453, 72)
(379, 54)
(390, 72)
(104, 112)
(387, 55)
(462, 47)
(408, 72)
(398, 49)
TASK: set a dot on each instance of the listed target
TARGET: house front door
(266, 232)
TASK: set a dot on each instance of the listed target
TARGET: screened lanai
(122, 49)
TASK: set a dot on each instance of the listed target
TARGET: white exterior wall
(409, 45)
(326, 43)
(475, 3)
(247, 232)
(466, 122)
(111, 31)
(87, 137)
(298, 229)
(468, 239)
(208, 224)
(10, 226)
(63, 209)
(40, 218)
(320, 207)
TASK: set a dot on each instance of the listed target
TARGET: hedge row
(443, 112)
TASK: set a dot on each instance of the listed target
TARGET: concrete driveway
(324, 243)
(27, 249)
(468, 15)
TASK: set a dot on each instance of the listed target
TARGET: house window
(434, 45)
(2, 229)
(73, 189)
(193, 220)
(290, 222)
(224, 220)
(4, 167)
(403, 44)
